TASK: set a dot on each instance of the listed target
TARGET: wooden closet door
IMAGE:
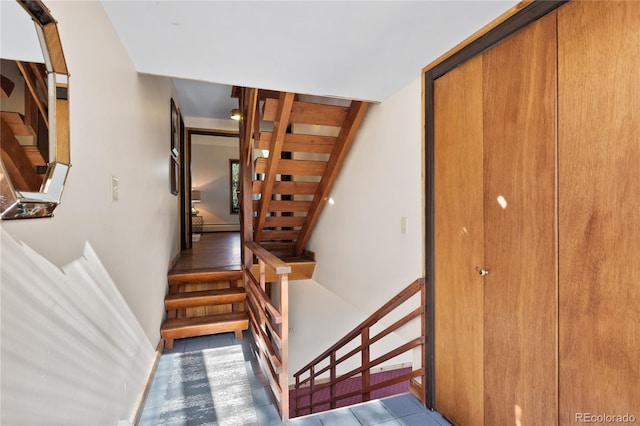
(599, 193)
(520, 292)
(459, 237)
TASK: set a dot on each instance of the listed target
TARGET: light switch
(114, 188)
(404, 225)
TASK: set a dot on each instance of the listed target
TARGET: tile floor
(400, 410)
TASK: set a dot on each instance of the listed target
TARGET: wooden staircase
(297, 163)
(287, 172)
(25, 163)
(204, 302)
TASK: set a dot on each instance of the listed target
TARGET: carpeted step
(178, 328)
(206, 297)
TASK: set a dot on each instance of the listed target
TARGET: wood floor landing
(220, 251)
(216, 251)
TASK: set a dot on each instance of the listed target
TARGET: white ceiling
(353, 49)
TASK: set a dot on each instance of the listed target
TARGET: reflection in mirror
(34, 114)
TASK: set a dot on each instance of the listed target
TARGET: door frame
(502, 27)
(185, 198)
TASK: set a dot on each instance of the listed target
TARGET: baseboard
(147, 385)
(220, 227)
(173, 261)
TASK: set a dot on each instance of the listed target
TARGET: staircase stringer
(285, 104)
(345, 138)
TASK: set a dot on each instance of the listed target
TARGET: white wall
(318, 318)
(93, 353)
(362, 256)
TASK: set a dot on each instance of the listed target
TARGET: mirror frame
(25, 204)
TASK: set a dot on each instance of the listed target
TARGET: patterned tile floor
(400, 410)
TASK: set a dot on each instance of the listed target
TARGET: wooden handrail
(270, 260)
(307, 387)
(396, 301)
(269, 321)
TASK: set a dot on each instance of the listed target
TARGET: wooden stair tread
(176, 328)
(205, 297)
(177, 277)
(288, 187)
(308, 113)
(299, 143)
(293, 167)
(285, 206)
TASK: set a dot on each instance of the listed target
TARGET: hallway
(257, 408)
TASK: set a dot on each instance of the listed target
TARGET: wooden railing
(309, 383)
(269, 321)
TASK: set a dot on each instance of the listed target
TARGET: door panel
(599, 211)
(520, 294)
(458, 244)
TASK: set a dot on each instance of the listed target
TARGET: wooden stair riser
(179, 290)
(180, 328)
(193, 299)
(180, 278)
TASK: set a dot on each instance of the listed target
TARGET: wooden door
(599, 210)
(520, 291)
(459, 234)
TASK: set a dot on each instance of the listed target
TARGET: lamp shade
(195, 196)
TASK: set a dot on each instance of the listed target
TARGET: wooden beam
(247, 102)
(347, 134)
(279, 129)
(31, 81)
(23, 175)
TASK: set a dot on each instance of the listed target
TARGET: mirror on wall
(34, 112)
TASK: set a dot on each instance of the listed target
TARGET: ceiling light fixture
(236, 114)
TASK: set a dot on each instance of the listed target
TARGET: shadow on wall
(72, 351)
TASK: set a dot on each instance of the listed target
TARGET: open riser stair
(201, 303)
(294, 164)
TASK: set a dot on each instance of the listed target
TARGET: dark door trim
(185, 197)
